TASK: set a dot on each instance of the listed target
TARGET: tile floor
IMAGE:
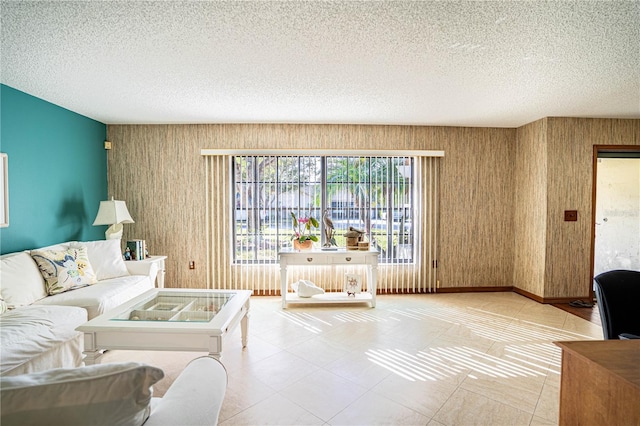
(440, 359)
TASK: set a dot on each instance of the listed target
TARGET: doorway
(616, 209)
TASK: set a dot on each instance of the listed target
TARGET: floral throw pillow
(64, 270)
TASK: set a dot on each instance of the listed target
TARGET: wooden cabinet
(600, 383)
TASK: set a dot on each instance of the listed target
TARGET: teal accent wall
(57, 172)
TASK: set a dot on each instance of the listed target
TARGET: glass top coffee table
(169, 320)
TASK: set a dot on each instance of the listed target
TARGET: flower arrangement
(302, 228)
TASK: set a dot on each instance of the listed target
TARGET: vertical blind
(408, 268)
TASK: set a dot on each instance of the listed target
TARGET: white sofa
(114, 394)
(37, 329)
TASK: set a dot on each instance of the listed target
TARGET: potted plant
(302, 237)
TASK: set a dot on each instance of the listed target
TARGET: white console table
(329, 257)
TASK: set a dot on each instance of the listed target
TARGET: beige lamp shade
(114, 213)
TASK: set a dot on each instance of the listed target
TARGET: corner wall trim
(472, 289)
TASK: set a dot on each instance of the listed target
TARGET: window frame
(281, 212)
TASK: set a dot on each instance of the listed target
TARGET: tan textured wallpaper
(159, 172)
(476, 206)
(569, 187)
(554, 173)
(530, 209)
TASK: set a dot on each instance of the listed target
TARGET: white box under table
(368, 258)
(169, 320)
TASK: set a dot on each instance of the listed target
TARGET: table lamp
(114, 213)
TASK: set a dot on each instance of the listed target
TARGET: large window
(374, 194)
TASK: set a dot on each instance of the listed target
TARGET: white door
(617, 222)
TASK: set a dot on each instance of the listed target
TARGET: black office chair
(618, 296)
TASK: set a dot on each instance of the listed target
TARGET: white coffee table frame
(104, 332)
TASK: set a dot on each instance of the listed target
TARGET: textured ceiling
(494, 64)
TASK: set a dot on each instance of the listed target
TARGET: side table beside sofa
(157, 278)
